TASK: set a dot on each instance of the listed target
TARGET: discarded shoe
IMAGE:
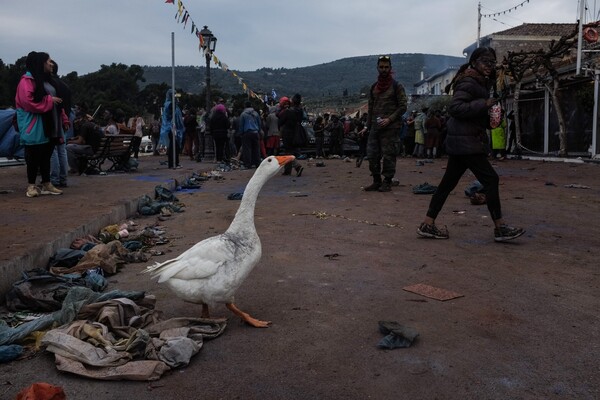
(397, 335)
(424, 188)
(235, 196)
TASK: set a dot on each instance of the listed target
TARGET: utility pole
(580, 36)
(478, 23)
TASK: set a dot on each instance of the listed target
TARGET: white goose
(212, 270)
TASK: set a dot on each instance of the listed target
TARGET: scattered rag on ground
(163, 198)
(397, 335)
(74, 299)
(109, 257)
(235, 196)
(424, 188)
(43, 291)
(117, 336)
(193, 182)
(476, 193)
(42, 391)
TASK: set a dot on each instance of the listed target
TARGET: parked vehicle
(146, 145)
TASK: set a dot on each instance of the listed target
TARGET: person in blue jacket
(166, 130)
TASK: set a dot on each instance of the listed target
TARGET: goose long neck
(244, 217)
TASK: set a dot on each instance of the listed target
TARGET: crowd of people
(58, 137)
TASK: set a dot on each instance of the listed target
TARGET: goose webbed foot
(247, 318)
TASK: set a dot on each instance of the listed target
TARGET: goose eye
(270, 159)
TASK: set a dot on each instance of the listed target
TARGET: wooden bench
(116, 149)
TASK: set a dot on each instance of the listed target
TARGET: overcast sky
(82, 35)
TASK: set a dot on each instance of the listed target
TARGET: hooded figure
(166, 138)
(167, 121)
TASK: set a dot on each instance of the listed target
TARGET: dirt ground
(335, 262)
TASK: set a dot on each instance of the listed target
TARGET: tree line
(115, 87)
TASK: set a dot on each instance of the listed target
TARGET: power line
(502, 23)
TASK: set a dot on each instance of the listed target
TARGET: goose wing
(199, 262)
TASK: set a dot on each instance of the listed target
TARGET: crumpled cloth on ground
(76, 298)
(10, 352)
(424, 188)
(84, 243)
(107, 256)
(43, 291)
(396, 335)
(235, 196)
(147, 206)
(163, 194)
(124, 339)
(65, 258)
(190, 183)
(163, 199)
(42, 391)
(476, 193)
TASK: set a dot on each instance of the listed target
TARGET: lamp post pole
(207, 55)
(210, 42)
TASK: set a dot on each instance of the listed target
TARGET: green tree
(113, 87)
(10, 74)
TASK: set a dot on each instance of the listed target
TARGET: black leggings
(37, 158)
(483, 171)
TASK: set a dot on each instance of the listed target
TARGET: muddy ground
(335, 262)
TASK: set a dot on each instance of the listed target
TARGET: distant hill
(351, 75)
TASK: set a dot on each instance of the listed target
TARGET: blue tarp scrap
(9, 138)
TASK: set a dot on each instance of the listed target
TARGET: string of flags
(506, 11)
(183, 17)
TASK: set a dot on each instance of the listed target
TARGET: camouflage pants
(382, 147)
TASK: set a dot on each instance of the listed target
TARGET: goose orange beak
(282, 160)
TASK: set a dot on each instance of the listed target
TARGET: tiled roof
(538, 30)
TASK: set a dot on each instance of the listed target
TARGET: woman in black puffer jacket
(466, 144)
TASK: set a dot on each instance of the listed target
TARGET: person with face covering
(40, 120)
(387, 104)
(466, 144)
(167, 128)
(289, 119)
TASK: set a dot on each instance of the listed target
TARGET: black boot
(375, 185)
(386, 186)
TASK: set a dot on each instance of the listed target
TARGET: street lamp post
(210, 42)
